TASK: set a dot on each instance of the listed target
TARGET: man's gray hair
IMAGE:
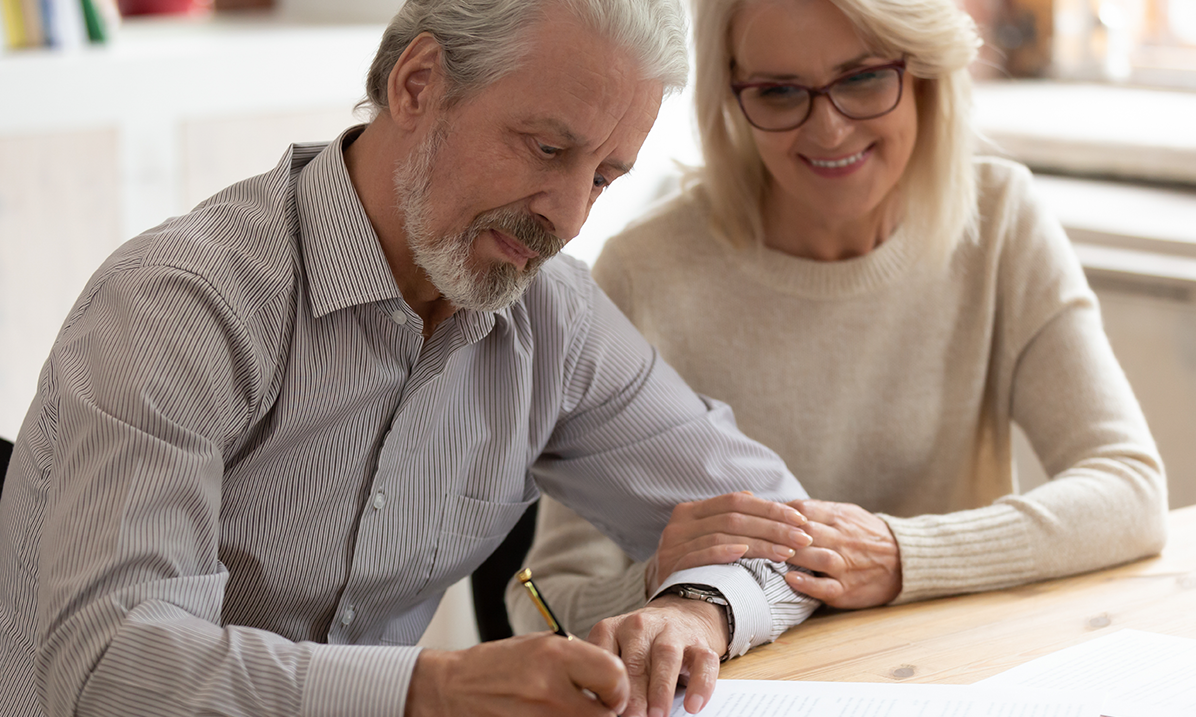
(483, 40)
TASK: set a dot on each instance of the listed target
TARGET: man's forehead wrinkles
(591, 120)
(607, 102)
(605, 89)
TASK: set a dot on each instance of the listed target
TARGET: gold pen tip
(524, 575)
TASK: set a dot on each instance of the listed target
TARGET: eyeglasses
(860, 95)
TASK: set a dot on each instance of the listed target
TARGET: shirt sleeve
(635, 440)
(1106, 500)
(150, 380)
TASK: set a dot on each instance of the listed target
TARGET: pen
(525, 576)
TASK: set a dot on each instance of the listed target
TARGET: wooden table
(960, 640)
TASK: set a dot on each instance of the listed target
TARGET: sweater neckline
(809, 278)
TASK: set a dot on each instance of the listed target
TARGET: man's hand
(672, 640)
(854, 552)
(724, 529)
(540, 674)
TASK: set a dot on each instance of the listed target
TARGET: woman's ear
(416, 82)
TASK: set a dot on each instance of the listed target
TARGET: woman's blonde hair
(938, 41)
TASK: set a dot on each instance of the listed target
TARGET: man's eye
(548, 150)
(600, 182)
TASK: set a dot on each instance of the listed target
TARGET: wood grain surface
(959, 640)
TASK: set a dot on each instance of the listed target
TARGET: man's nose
(564, 203)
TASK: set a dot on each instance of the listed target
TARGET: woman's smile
(838, 167)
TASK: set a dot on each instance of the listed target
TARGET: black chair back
(490, 579)
(5, 455)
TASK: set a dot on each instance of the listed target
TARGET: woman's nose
(826, 126)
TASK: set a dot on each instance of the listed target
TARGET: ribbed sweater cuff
(961, 552)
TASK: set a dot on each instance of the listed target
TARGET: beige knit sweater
(891, 382)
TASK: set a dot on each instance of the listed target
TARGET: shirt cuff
(358, 680)
(746, 600)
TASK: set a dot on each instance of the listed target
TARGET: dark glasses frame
(737, 89)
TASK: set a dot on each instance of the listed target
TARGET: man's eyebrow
(620, 168)
(558, 128)
(561, 130)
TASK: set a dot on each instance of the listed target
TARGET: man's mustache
(524, 227)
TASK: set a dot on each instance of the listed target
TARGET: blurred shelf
(195, 67)
(1092, 129)
(1125, 215)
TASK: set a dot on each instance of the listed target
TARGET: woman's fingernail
(696, 702)
(801, 538)
(796, 518)
(782, 550)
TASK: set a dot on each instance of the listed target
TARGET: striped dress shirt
(246, 479)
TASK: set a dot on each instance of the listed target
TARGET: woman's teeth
(839, 162)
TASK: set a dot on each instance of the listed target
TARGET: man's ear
(416, 83)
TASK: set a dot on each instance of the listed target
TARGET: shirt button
(347, 618)
(379, 500)
(398, 316)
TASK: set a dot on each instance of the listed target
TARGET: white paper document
(1133, 673)
(771, 698)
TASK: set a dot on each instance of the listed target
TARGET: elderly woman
(879, 306)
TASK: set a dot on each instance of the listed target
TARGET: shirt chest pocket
(470, 531)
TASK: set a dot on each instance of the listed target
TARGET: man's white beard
(446, 260)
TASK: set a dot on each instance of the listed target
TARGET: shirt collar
(341, 251)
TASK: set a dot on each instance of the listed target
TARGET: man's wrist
(743, 588)
(717, 618)
(425, 697)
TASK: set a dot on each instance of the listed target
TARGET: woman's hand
(724, 529)
(854, 556)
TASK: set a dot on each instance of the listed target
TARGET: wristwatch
(712, 596)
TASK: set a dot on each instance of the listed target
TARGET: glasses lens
(775, 106)
(867, 94)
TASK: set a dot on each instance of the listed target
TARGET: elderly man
(274, 430)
